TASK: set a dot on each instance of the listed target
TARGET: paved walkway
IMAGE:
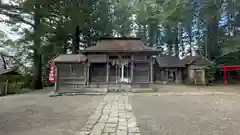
(113, 116)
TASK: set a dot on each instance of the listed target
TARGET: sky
(7, 29)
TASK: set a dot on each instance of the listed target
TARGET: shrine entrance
(122, 70)
(120, 76)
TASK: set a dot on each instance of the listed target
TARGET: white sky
(7, 29)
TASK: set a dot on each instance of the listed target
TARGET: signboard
(51, 76)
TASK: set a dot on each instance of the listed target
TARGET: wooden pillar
(225, 75)
(107, 75)
(166, 77)
(6, 87)
(180, 75)
(177, 78)
(151, 71)
(56, 87)
(122, 72)
(117, 74)
(195, 72)
(86, 73)
(203, 77)
(161, 75)
(148, 75)
(132, 67)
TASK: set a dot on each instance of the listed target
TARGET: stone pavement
(113, 116)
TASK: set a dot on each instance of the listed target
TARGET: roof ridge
(119, 38)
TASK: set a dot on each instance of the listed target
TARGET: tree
(178, 27)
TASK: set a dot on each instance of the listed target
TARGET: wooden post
(180, 75)
(151, 71)
(195, 80)
(122, 73)
(57, 79)
(86, 73)
(6, 87)
(107, 75)
(161, 74)
(132, 67)
(225, 75)
(166, 79)
(203, 77)
(116, 73)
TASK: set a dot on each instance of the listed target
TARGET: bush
(188, 82)
(15, 83)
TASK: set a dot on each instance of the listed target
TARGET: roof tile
(196, 60)
(169, 61)
(119, 45)
(70, 58)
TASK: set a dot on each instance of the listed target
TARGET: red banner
(51, 76)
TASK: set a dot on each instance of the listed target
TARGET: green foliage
(123, 21)
(188, 81)
(232, 58)
(210, 73)
(14, 85)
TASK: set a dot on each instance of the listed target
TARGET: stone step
(119, 90)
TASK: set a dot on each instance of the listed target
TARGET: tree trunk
(4, 62)
(76, 41)
(176, 41)
(37, 77)
(5, 86)
(152, 32)
(169, 40)
(213, 49)
(189, 29)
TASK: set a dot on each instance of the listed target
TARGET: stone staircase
(119, 88)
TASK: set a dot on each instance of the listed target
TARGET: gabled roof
(119, 45)
(70, 58)
(8, 71)
(169, 61)
(196, 60)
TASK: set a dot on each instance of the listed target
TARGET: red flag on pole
(51, 76)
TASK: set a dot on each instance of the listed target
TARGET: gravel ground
(172, 111)
(38, 114)
(187, 115)
(193, 88)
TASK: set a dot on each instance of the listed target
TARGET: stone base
(143, 90)
(83, 90)
(105, 88)
(54, 94)
(78, 93)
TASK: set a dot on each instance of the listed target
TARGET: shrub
(188, 82)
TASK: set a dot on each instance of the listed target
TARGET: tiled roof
(97, 58)
(12, 70)
(119, 44)
(70, 58)
(169, 61)
(196, 60)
